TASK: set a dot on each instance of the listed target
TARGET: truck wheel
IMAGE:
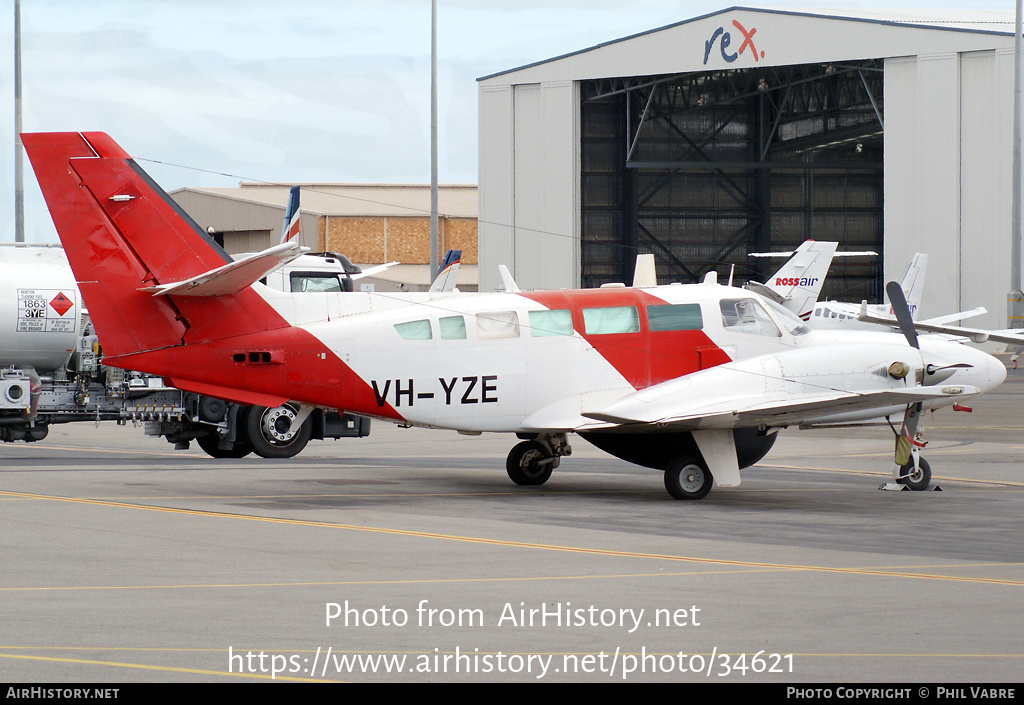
(37, 432)
(210, 443)
(274, 433)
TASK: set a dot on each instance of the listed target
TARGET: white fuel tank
(40, 307)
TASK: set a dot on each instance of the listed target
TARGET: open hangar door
(701, 169)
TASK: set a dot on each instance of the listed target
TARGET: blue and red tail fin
(123, 233)
(291, 215)
(448, 272)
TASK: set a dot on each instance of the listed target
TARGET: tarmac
(409, 556)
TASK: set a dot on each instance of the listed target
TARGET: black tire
(210, 443)
(688, 478)
(524, 464)
(37, 432)
(916, 479)
(272, 433)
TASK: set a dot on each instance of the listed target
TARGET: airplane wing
(958, 316)
(729, 411)
(232, 277)
(770, 390)
(977, 335)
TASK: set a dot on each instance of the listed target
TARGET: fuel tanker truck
(52, 371)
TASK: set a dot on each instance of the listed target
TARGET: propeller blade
(902, 312)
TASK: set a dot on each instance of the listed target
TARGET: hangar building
(751, 130)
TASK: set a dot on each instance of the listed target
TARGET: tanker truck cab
(325, 272)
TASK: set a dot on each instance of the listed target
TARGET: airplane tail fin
(122, 234)
(913, 283)
(798, 282)
(291, 215)
(448, 272)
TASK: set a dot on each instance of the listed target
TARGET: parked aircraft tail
(291, 215)
(798, 282)
(913, 283)
(448, 272)
(126, 241)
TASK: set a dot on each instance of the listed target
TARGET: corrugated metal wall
(948, 144)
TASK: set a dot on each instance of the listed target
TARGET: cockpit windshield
(747, 316)
(788, 319)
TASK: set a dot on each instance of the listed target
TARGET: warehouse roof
(357, 200)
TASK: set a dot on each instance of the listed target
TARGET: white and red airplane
(694, 380)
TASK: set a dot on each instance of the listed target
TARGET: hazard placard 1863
(46, 311)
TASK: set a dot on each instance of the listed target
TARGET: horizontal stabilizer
(376, 269)
(234, 276)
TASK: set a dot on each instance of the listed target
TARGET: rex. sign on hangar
(752, 130)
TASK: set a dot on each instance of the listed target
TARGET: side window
(547, 323)
(453, 328)
(675, 317)
(414, 330)
(747, 316)
(614, 319)
(313, 281)
(497, 324)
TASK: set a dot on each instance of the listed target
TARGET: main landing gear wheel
(916, 479)
(274, 433)
(688, 479)
(529, 463)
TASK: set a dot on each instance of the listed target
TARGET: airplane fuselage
(547, 361)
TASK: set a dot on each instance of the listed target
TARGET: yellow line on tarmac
(506, 579)
(101, 449)
(146, 667)
(518, 544)
(421, 581)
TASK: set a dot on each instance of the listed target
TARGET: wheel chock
(897, 487)
(894, 487)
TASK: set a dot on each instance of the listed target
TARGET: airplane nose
(986, 372)
(996, 372)
(982, 370)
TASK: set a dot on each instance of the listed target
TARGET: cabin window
(497, 324)
(453, 328)
(747, 316)
(675, 317)
(614, 319)
(414, 330)
(547, 323)
(312, 281)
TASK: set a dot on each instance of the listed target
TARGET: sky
(212, 92)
